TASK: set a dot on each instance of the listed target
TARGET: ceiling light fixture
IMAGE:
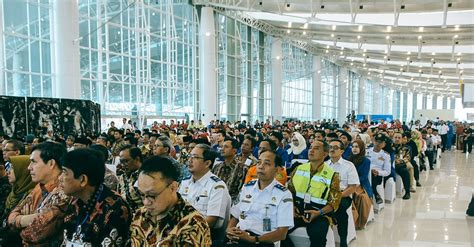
(304, 32)
(387, 37)
(456, 27)
(358, 36)
(420, 37)
(288, 31)
(289, 24)
(332, 35)
(459, 53)
(389, 28)
(360, 28)
(333, 27)
(305, 26)
(433, 53)
(421, 29)
(456, 36)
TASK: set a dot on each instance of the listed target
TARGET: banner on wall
(20, 116)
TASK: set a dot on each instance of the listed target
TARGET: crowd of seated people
(221, 184)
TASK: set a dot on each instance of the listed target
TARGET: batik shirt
(183, 225)
(402, 155)
(233, 175)
(45, 201)
(103, 220)
(5, 189)
(128, 191)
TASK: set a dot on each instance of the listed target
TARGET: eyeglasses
(193, 156)
(152, 198)
(334, 147)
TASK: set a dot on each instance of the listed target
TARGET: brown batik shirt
(233, 175)
(182, 226)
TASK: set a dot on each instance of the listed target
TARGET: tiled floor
(435, 215)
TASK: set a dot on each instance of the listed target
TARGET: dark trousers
(430, 156)
(470, 209)
(416, 170)
(317, 231)
(403, 172)
(376, 180)
(342, 219)
(467, 145)
(444, 142)
(239, 244)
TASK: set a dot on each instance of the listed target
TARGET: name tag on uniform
(267, 224)
(307, 198)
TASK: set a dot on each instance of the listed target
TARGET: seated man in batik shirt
(38, 217)
(96, 216)
(166, 219)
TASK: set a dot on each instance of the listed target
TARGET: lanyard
(78, 231)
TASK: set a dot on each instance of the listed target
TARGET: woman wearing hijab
(364, 192)
(20, 179)
(297, 151)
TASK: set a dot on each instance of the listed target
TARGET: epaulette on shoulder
(251, 183)
(215, 179)
(187, 177)
(281, 187)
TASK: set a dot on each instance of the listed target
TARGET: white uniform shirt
(436, 139)
(274, 202)
(443, 129)
(379, 161)
(347, 172)
(209, 195)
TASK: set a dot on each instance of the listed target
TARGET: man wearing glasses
(349, 180)
(12, 148)
(165, 218)
(206, 192)
(131, 161)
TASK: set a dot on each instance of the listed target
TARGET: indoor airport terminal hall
(237, 123)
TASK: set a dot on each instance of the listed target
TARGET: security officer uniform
(210, 196)
(262, 211)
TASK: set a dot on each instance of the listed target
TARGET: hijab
(359, 158)
(23, 184)
(296, 150)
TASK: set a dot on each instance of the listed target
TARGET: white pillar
(342, 95)
(316, 88)
(207, 72)
(67, 82)
(2, 72)
(361, 108)
(277, 77)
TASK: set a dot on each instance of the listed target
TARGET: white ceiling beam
(353, 8)
(445, 13)
(396, 12)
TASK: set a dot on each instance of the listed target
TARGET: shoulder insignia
(187, 177)
(281, 187)
(251, 183)
(215, 179)
(219, 187)
(287, 200)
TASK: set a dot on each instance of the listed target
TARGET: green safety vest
(319, 185)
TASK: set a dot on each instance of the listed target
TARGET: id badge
(74, 244)
(267, 224)
(307, 198)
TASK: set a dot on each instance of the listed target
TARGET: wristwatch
(257, 241)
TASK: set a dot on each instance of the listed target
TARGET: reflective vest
(319, 185)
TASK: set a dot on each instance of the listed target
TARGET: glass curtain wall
(140, 58)
(353, 92)
(297, 83)
(241, 74)
(369, 97)
(329, 78)
(396, 104)
(27, 48)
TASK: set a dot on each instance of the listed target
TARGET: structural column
(342, 95)
(207, 61)
(316, 114)
(361, 108)
(2, 68)
(67, 82)
(277, 77)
